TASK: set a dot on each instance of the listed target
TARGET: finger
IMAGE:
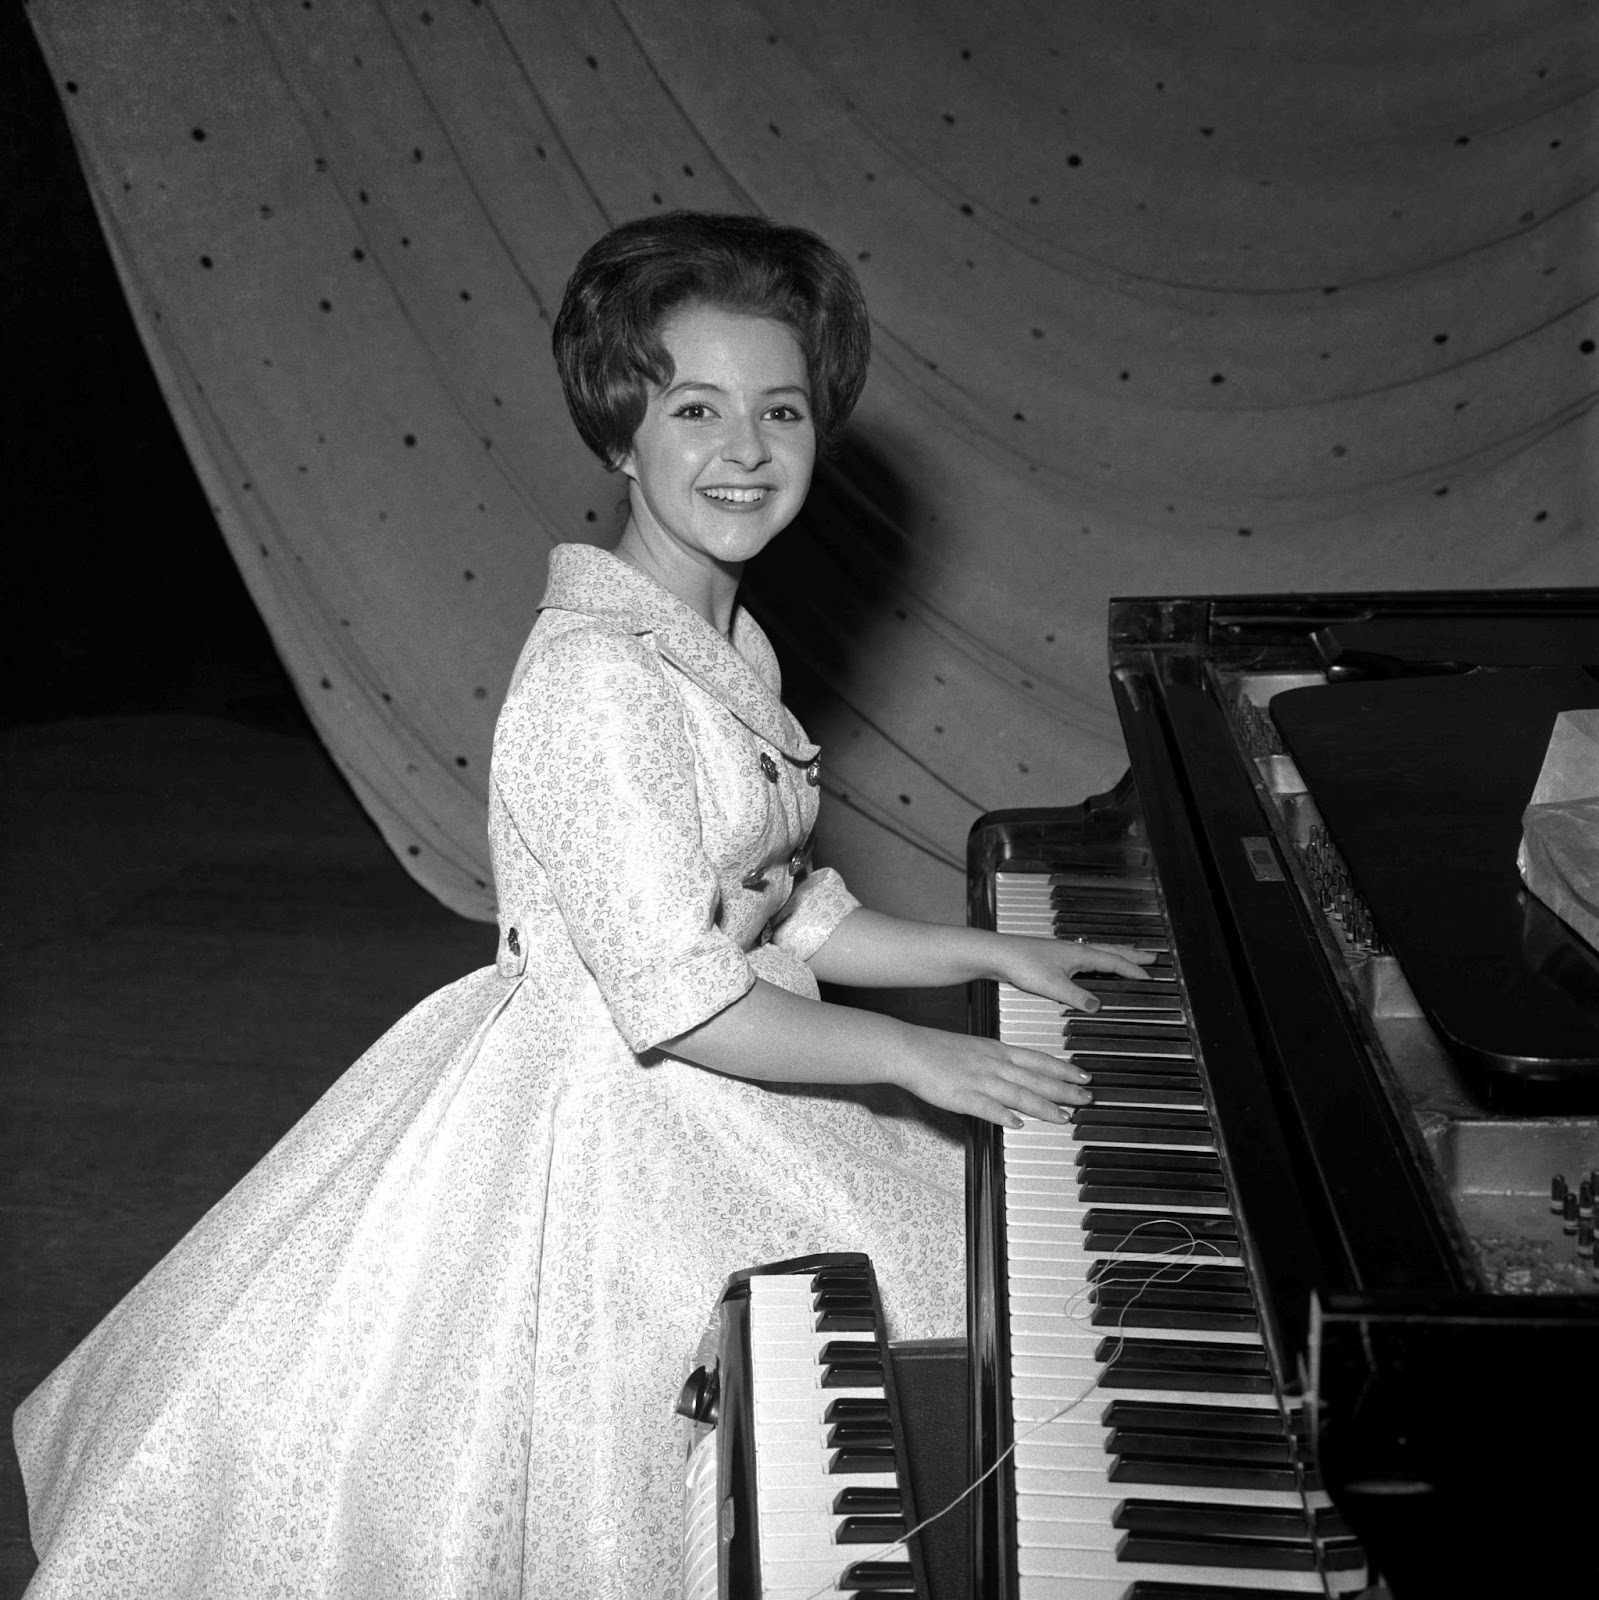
(1050, 1068)
(1025, 1095)
(1026, 1089)
(1120, 959)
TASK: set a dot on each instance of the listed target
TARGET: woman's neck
(709, 588)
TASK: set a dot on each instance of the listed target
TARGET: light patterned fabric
(1197, 297)
(429, 1346)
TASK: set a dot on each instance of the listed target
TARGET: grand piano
(1306, 1301)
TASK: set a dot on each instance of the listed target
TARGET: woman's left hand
(1047, 966)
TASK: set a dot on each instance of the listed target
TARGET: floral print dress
(429, 1346)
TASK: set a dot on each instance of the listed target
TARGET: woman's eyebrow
(699, 383)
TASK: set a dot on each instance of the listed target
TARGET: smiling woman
(430, 1345)
(721, 462)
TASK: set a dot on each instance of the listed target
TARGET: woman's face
(722, 460)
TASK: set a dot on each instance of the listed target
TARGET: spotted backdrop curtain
(1187, 296)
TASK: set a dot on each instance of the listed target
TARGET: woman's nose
(745, 445)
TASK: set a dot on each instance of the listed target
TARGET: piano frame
(1371, 1305)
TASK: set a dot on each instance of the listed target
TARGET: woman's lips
(726, 496)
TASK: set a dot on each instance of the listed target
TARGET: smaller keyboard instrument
(796, 1483)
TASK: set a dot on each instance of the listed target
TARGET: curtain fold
(1209, 296)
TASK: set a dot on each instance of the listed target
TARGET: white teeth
(738, 496)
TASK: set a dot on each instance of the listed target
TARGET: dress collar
(742, 673)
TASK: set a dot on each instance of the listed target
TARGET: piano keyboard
(1155, 1458)
(830, 1495)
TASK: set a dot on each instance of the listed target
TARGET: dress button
(769, 767)
(512, 943)
(813, 774)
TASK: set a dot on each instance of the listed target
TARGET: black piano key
(1184, 1380)
(1266, 1555)
(1198, 1275)
(1082, 890)
(1175, 1080)
(1111, 927)
(850, 1353)
(852, 1435)
(1213, 1447)
(1158, 1589)
(862, 1458)
(1177, 1517)
(1097, 1061)
(1163, 1417)
(852, 1408)
(877, 1577)
(869, 1530)
(1151, 1242)
(1157, 1224)
(1181, 1353)
(841, 1291)
(1177, 1049)
(1176, 1296)
(1203, 1475)
(1115, 1005)
(845, 1322)
(841, 1300)
(1153, 1117)
(1113, 1094)
(852, 1377)
(1196, 1161)
(868, 1500)
(1097, 1193)
(1153, 1168)
(1139, 1315)
(1341, 1555)
(1330, 1523)
(1164, 1183)
(1095, 1027)
(1107, 983)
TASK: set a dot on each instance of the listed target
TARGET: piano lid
(1422, 783)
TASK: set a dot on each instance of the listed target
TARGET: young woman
(429, 1346)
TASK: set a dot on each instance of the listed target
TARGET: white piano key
(1050, 1493)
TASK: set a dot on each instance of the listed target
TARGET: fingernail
(1018, 1122)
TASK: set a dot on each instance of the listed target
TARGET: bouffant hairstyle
(607, 337)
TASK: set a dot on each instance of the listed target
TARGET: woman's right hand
(984, 1078)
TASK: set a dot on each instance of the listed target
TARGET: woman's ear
(627, 466)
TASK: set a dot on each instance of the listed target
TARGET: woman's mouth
(736, 497)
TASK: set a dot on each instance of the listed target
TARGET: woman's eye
(693, 411)
(785, 414)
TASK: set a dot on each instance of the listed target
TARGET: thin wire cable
(1073, 1304)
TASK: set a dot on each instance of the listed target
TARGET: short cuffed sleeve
(818, 904)
(595, 767)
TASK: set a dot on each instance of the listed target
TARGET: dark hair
(607, 337)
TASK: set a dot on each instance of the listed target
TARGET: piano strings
(1192, 1245)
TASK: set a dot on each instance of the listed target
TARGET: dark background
(117, 593)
